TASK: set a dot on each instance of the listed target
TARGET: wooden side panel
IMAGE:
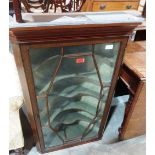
(135, 124)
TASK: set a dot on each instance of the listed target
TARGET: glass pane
(77, 49)
(106, 55)
(44, 61)
(72, 86)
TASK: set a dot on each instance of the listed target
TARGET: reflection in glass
(72, 84)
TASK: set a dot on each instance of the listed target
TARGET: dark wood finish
(11, 10)
(55, 36)
(17, 10)
(139, 34)
(27, 131)
(144, 11)
(131, 81)
(43, 34)
(133, 74)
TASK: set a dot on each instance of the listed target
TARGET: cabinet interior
(72, 85)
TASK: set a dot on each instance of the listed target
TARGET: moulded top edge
(87, 18)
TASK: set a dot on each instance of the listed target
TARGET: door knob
(102, 6)
(128, 6)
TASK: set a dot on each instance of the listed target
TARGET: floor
(109, 144)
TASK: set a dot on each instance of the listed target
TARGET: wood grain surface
(134, 123)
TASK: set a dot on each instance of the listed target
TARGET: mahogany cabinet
(68, 75)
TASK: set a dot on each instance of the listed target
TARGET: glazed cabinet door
(71, 85)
